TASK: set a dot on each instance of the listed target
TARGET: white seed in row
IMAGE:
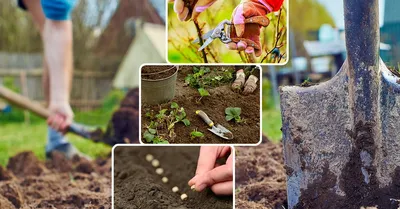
(184, 196)
(149, 157)
(159, 171)
(164, 179)
(175, 189)
(155, 163)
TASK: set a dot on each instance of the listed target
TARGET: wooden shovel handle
(24, 102)
(39, 110)
(205, 117)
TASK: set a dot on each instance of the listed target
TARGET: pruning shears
(218, 32)
(223, 31)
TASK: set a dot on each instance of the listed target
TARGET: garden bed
(137, 185)
(57, 183)
(220, 97)
(260, 177)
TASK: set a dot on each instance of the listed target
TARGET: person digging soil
(217, 81)
(260, 177)
(138, 184)
(57, 183)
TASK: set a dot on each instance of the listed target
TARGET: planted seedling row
(160, 171)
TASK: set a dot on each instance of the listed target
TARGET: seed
(184, 197)
(164, 179)
(175, 189)
(159, 171)
(155, 163)
(149, 157)
(193, 187)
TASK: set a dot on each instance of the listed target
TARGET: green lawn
(272, 124)
(17, 136)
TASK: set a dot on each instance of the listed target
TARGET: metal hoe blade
(342, 138)
(221, 132)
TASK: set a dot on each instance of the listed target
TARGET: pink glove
(246, 36)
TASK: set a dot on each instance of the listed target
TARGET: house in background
(144, 40)
(390, 32)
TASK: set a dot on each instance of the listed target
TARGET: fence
(88, 88)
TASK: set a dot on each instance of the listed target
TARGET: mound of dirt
(56, 183)
(260, 177)
(136, 184)
(124, 124)
(221, 97)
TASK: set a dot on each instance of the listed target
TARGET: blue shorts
(54, 9)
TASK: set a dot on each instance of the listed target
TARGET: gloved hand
(61, 116)
(246, 36)
(183, 10)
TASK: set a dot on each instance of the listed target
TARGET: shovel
(341, 138)
(216, 129)
(25, 103)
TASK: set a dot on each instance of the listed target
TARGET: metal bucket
(161, 90)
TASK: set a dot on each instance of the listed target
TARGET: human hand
(61, 116)
(210, 174)
(246, 36)
(191, 9)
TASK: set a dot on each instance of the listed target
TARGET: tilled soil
(136, 185)
(247, 132)
(260, 177)
(57, 183)
(155, 72)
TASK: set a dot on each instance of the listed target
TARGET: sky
(335, 8)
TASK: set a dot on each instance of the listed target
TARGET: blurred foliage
(181, 34)
(113, 99)
(20, 35)
(267, 100)
(307, 16)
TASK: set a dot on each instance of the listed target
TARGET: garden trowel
(94, 134)
(216, 129)
(341, 138)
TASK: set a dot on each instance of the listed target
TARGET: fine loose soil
(155, 72)
(260, 177)
(221, 97)
(136, 184)
(57, 183)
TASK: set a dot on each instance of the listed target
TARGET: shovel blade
(332, 161)
(221, 132)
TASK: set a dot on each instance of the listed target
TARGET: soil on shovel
(260, 177)
(214, 105)
(136, 184)
(56, 183)
(155, 72)
(124, 124)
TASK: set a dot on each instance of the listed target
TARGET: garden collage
(200, 104)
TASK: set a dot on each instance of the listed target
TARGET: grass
(272, 124)
(16, 137)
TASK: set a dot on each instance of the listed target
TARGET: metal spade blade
(216, 129)
(342, 138)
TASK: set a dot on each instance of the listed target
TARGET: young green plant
(196, 134)
(203, 93)
(233, 113)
